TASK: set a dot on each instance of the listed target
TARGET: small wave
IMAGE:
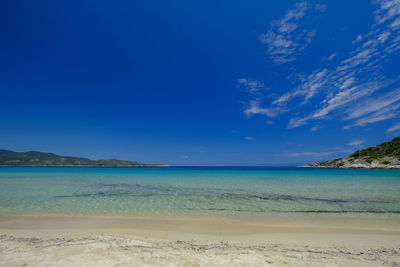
(341, 211)
(105, 194)
(300, 198)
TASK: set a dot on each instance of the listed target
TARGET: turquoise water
(184, 190)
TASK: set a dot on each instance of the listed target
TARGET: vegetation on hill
(34, 158)
(385, 155)
(387, 149)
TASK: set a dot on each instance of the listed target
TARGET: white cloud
(374, 118)
(331, 57)
(373, 105)
(389, 9)
(286, 38)
(394, 128)
(311, 84)
(374, 110)
(287, 97)
(315, 128)
(296, 122)
(356, 142)
(354, 89)
(345, 97)
(249, 138)
(254, 108)
(355, 79)
(389, 112)
(358, 39)
(252, 86)
(335, 102)
(314, 83)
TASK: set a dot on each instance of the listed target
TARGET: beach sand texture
(68, 240)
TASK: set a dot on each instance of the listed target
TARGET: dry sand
(295, 240)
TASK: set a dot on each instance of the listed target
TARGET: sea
(199, 190)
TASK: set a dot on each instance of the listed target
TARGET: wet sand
(143, 240)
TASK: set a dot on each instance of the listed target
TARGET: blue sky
(199, 82)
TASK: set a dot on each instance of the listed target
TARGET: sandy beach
(199, 133)
(293, 240)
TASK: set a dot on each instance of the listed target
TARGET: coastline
(85, 166)
(198, 217)
(351, 168)
(281, 240)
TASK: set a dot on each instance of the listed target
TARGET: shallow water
(188, 190)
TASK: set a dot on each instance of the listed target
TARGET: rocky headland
(383, 156)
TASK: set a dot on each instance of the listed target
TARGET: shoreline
(352, 168)
(79, 240)
(197, 224)
(85, 166)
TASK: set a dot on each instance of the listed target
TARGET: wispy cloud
(317, 154)
(286, 39)
(311, 84)
(358, 39)
(253, 107)
(374, 105)
(315, 128)
(394, 128)
(331, 57)
(374, 110)
(249, 138)
(354, 89)
(252, 86)
(255, 90)
(335, 103)
(381, 115)
(356, 143)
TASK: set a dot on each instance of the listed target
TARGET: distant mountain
(34, 158)
(383, 156)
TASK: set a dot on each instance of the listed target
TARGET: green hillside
(385, 155)
(387, 149)
(34, 158)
